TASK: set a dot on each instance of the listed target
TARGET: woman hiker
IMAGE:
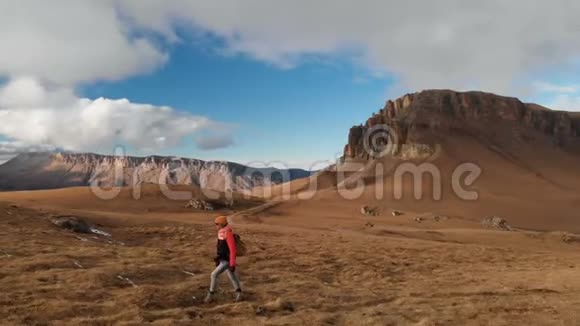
(225, 260)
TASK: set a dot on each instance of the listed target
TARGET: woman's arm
(232, 245)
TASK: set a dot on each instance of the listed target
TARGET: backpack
(240, 246)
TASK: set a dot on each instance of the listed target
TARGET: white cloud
(566, 102)
(15, 147)
(560, 97)
(59, 45)
(31, 115)
(427, 44)
(545, 87)
(28, 92)
(68, 42)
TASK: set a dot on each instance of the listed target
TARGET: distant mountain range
(32, 171)
(461, 126)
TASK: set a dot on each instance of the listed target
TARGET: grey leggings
(224, 266)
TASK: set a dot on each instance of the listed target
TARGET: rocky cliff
(416, 122)
(57, 170)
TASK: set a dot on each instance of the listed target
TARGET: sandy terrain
(315, 262)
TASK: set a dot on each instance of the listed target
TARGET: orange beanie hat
(222, 220)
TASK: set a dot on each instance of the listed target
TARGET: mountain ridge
(46, 170)
(424, 118)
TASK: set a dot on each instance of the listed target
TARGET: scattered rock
(398, 213)
(199, 204)
(188, 272)
(438, 218)
(72, 223)
(368, 211)
(195, 314)
(570, 238)
(100, 232)
(369, 224)
(76, 224)
(418, 219)
(496, 222)
(229, 202)
(260, 311)
(288, 306)
(126, 279)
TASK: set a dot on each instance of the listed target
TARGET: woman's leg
(223, 266)
(234, 279)
(236, 283)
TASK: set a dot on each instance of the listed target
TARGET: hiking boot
(238, 296)
(208, 298)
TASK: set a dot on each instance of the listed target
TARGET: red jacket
(226, 245)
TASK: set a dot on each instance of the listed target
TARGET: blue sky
(261, 80)
(297, 115)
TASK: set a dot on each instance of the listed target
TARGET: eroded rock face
(416, 120)
(31, 171)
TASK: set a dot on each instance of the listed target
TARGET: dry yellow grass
(323, 275)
